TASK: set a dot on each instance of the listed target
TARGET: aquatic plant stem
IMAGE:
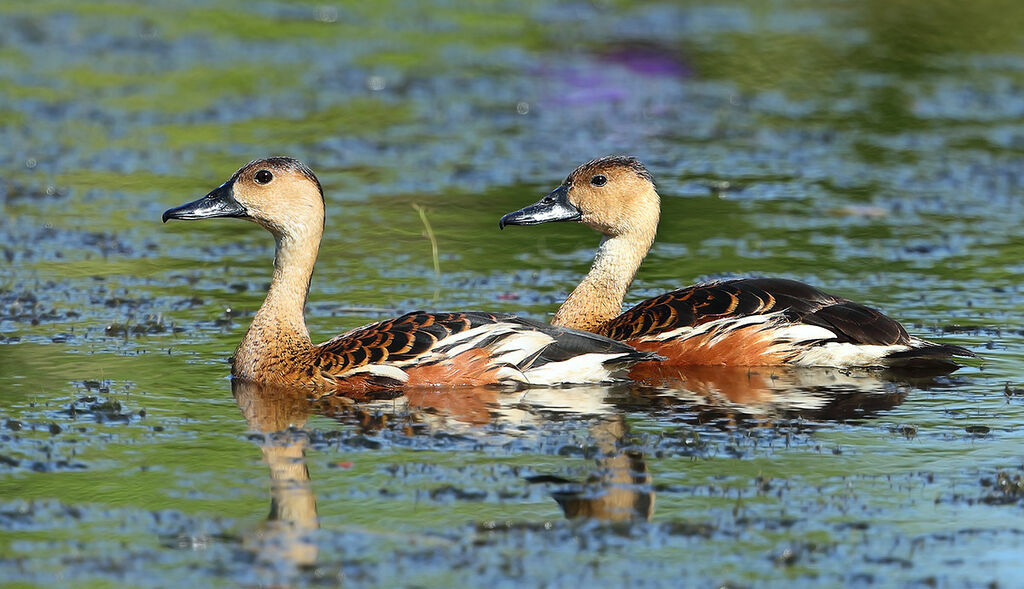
(433, 248)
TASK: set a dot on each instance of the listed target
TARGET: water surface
(873, 149)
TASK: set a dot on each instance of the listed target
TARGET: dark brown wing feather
(418, 333)
(799, 302)
(401, 338)
(854, 323)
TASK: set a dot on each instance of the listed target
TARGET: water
(869, 148)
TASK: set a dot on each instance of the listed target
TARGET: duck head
(613, 195)
(279, 193)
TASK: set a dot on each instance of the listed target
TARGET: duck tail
(926, 354)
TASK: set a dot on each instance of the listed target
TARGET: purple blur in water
(648, 59)
(596, 82)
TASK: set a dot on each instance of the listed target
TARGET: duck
(757, 321)
(472, 348)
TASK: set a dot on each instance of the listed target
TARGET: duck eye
(598, 180)
(263, 177)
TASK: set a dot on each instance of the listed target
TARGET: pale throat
(598, 298)
(280, 320)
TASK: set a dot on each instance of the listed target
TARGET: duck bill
(219, 203)
(553, 207)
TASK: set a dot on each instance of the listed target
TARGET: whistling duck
(284, 196)
(740, 322)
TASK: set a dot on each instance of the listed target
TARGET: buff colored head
(614, 195)
(279, 193)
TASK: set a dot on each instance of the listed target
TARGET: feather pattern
(769, 321)
(470, 348)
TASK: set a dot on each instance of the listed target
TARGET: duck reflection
(279, 414)
(619, 488)
(770, 393)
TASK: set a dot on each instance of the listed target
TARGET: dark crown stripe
(611, 161)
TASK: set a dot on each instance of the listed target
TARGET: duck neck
(279, 323)
(598, 298)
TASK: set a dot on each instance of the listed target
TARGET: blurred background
(818, 140)
(873, 148)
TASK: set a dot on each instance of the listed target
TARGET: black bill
(219, 203)
(553, 207)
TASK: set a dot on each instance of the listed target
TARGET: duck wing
(712, 301)
(770, 320)
(471, 348)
